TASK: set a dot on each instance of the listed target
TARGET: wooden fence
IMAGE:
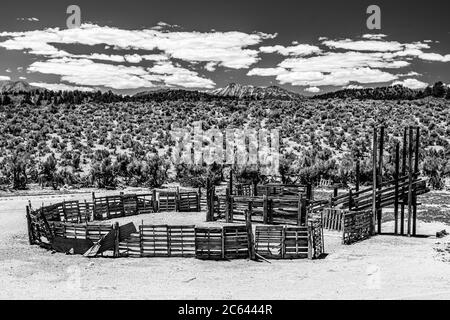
(289, 242)
(265, 209)
(357, 225)
(332, 218)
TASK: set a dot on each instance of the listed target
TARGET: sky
(307, 47)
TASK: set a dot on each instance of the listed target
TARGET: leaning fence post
(116, 239)
(251, 241)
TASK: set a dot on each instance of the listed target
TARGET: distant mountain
(8, 86)
(397, 92)
(249, 91)
(161, 94)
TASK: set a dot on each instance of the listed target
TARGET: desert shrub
(196, 175)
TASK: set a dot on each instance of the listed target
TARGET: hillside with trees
(107, 140)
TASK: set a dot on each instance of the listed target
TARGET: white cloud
(333, 68)
(364, 45)
(411, 83)
(133, 58)
(4, 78)
(28, 19)
(88, 73)
(435, 57)
(211, 66)
(85, 72)
(59, 86)
(374, 36)
(296, 50)
(312, 89)
(227, 49)
(353, 86)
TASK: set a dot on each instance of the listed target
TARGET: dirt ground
(383, 267)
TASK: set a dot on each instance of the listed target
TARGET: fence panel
(296, 242)
(181, 241)
(188, 201)
(332, 218)
(154, 241)
(167, 201)
(357, 226)
(269, 241)
(235, 242)
(208, 243)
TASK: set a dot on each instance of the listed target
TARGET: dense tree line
(106, 140)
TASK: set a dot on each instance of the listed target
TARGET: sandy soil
(383, 267)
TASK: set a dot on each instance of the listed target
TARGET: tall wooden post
(402, 207)
(309, 192)
(358, 174)
(301, 219)
(416, 174)
(30, 232)
(227, 205)
(410, 178)
(396, 176)
(374, 179)
(230, 186)
(154, 202)
(251, 241)
(116, 239)
(265, 209)
(380, 178)
(208, 199)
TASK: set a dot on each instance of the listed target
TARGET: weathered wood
(396, 176)
(251, 240)
(410, 175)
(374, 177)
(402, 207)
(265, 210)
(380, 177)
(116, 239)
(416, 171)
(30, 232)
(358, 174)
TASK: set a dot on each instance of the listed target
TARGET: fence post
(177, 201)
(301, 219)
(410, 173)
(350, 199)
(396, 176)
(374, 179)
(358, 174)
(123, 204)
(30, 234)
(251, 241)
(416, 172)
(208, 199)
(198, 201)
(227, 205)
(402, 207)
(93, 206)
(309, 194)
(265, 209)
(116, 239)
(380, 178)
(154, 202)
